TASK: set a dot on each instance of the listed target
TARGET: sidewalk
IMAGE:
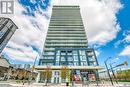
(63, 85)
(14, 84)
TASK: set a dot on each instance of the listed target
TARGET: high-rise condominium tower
(7, 29)
(66, 45)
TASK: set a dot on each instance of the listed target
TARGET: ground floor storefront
(77, 77)
(69, 75)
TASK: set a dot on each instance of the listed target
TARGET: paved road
(6, 85)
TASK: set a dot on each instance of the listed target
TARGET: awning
(39, 68)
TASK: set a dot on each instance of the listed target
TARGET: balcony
(64, 45)
(66, 38)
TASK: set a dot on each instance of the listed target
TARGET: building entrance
(88, 76)
(56, 80)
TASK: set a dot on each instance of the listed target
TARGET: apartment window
(57, 58)
(57, 63)
(4, 29)
(1, 34)
(48, 57)
(62, 63)
(56, 73)
(82, 52)
(91, 58)
(1, 26)
(4, 23)
(69, 52)
(58, 52)
(83, 58)
(75, 52)
(4, 36)
(70, 64)
(90, 54)
(2, 20)
(75, 58)
(92, 63)
(76, 63)
(45, 57)
(50, 64)
(83, 63)
(62, 58)
(63, 53)
(49, 53)
(69, 58)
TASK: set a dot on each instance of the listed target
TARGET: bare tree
(48, 73)
(64, 72)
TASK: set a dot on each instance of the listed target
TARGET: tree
(47, 74)
(64, 72)
(123, 75)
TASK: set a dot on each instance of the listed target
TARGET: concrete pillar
(53, 75)
(97, 77)
(38, 77)
(59, 76)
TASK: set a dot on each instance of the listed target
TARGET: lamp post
(33, 67)
(113, 72)
(108, 70)
(72, 76)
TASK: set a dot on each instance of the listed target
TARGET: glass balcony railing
(65, 35)
(66, 41)
(64, 45)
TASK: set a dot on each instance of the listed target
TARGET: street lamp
(108, 70)
(113, 71)
(32, 69)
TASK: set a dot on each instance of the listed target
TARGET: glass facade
(66, 41)
(7, 29)
(66, 45)
(75, 57)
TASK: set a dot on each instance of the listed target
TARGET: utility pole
(108, 70)
(113, 73)
(32, 70)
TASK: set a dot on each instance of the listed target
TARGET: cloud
(21, 53)
(27, 41)
(118, 43)
(97, 53)
(126, 51)
(99, 18)
(34, 6)
(125, 40)
(127, 36)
